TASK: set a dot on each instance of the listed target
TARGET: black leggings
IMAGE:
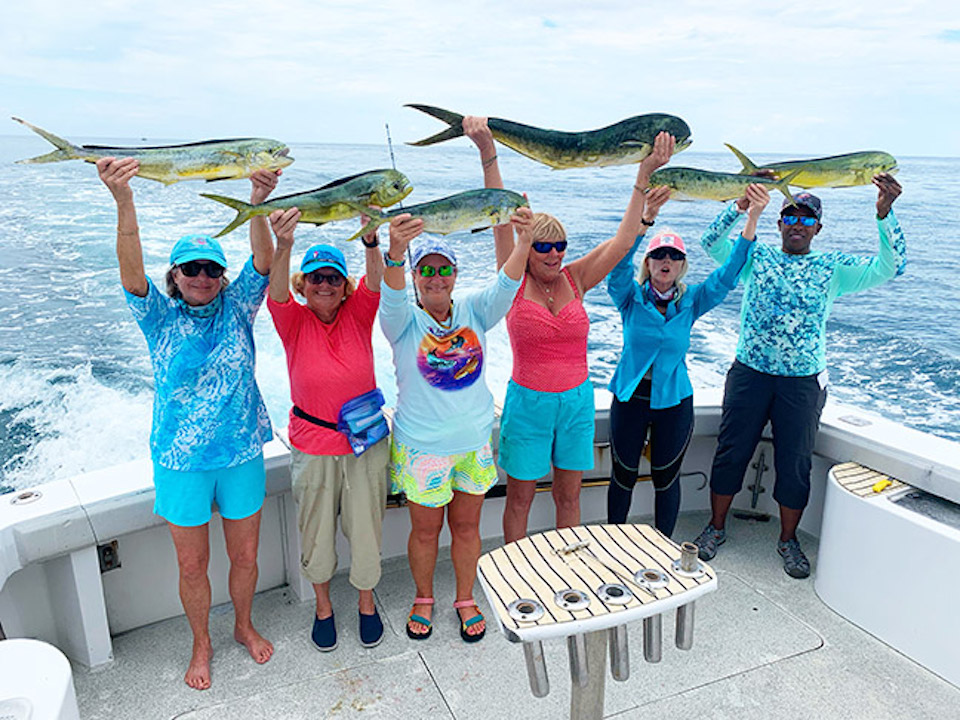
(670, 432)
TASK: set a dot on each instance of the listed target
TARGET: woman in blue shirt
(650, 385)
(209, 420)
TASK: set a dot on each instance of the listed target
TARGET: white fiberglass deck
(764, 647)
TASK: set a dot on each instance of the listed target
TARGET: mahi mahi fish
(625, 142)
(835, 171)
(709, 185)
(471, 210)
(338, 200)
(207, 160)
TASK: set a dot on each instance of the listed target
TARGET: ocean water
(75, 377)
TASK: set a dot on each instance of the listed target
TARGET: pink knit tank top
(549, 352)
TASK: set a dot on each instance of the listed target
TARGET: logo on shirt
(452, 361)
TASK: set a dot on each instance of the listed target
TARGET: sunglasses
(194, 268)
(318, 278)
(805, 220)
(662, 252)
(545, 247)
(430, 270)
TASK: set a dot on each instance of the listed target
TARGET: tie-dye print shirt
(788, 298)
(207, 410)
(443, 406)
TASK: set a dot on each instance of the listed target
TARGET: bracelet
(489, 161)
(391, 262)
(648, 223)
(640, 189)
(375, 243)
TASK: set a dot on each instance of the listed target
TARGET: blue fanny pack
(360, 419)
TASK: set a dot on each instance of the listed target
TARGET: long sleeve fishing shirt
(788, 298)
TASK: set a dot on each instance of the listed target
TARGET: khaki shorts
(355, 488)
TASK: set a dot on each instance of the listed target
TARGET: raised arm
(263, 183)
(516, 263)
(374, 257)
(403, 229)
(641, 212)
(116, 175)
(476, 129)
(283, 222)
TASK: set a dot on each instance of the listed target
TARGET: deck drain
(26, 497)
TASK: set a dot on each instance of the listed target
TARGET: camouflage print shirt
(788, 298)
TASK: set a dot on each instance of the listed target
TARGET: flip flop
(465, 625)
(420, 619)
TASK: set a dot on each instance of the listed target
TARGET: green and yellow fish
(628, 141)
(834, 171)
(472, 210)
(693, 183)
(338, 200)
(207, 160)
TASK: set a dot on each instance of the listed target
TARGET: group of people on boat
(210, 423)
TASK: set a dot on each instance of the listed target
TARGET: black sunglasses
(318, 278)
(545, 247)
(194, 268)
(661, 252)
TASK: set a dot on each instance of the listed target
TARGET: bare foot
(260, 649)
(198, 674)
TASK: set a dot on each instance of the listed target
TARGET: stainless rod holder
(619, 653)
(689, 561)
(685, 626)
(577, 650)
(652, 638)
(536, 668)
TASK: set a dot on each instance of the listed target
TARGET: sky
(801, 78)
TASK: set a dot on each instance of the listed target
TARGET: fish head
(392, 186)
(270, 155)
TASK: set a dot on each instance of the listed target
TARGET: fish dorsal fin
(749, 167)
(341, 181)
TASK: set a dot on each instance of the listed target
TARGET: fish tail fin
(784, 185)
(66, 150)
(749, 167)
(377, 219)
(454, 120)
(245, 211)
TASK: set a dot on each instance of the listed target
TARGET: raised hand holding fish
(889, 190)
(284, 222)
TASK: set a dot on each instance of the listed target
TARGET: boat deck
(764, 647)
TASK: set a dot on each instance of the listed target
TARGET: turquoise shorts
(540, 429)
(430, 480)
(185, 498)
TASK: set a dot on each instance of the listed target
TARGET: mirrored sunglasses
(194, 268)
(318, 278)
(805, 220)
(545, 247)
(661, 252)
(430, 270)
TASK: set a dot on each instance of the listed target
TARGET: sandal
(465, 625)
(420, 619)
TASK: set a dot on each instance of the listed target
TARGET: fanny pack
(360, 419)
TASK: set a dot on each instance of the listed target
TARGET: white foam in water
(79, 424)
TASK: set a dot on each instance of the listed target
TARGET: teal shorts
(540, 429)
(185, 497)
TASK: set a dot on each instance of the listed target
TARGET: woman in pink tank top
(548, 414)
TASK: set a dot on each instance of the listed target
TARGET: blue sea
(75, 378)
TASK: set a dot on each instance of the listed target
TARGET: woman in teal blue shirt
(651, 386)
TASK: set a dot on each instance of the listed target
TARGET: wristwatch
(391, 262)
